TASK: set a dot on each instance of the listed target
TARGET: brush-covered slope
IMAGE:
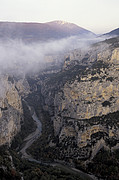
(114, 32)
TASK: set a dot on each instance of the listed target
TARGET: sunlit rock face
(11, 112)
(84, 108)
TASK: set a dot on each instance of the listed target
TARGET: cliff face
(84, 103)
(11, 112)
(95, 93)
(82, 99)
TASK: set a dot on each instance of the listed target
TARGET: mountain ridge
(41, 31)
(114, 32)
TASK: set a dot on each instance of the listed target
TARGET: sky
(98, 16)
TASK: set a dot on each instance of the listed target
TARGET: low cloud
(21, 58)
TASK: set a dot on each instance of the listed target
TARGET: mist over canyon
(59, 102)
(25, 47)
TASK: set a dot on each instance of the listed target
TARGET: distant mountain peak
(41, 31)
(64, 23)
(60, 22)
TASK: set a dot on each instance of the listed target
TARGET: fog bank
(19, 57)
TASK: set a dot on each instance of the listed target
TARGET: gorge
(75, 95)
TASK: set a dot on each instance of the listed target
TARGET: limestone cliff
(11, 113)
(83, 101)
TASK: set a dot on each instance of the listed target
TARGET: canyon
(76, 98)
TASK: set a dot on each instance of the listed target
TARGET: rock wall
(95, 93)
(11, 112)
(82, 108)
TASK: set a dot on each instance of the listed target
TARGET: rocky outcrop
(95, 93)
(11, 112)
(83, 103)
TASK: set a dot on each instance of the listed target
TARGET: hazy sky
(99, 16)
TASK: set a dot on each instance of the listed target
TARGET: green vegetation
(100, 64)
(75, 72)
(106, 103)
(11, 79)
(110, 79)
(14, 168)
(7, 171)
(113, 42)
(40, 148)
(66, 75)
(95, 78)
(105, 165)
(27, 127)
(111, 119)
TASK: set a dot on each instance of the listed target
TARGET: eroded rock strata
(78, 105)
(83, 102)
(11, 112)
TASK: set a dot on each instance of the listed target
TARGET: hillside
(114, 32)
(40, 31)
